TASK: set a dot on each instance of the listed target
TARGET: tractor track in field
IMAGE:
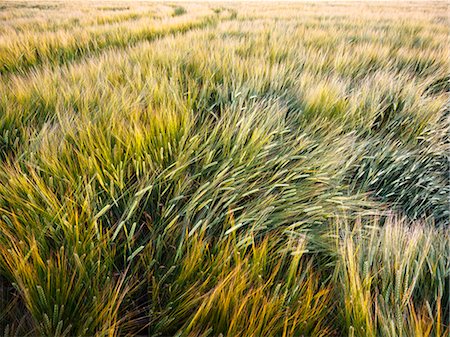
(67, 56)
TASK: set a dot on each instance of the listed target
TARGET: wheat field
(224, 169)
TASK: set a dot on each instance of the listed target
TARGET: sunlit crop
(224, 169)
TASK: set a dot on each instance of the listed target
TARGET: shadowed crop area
(224, 169)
